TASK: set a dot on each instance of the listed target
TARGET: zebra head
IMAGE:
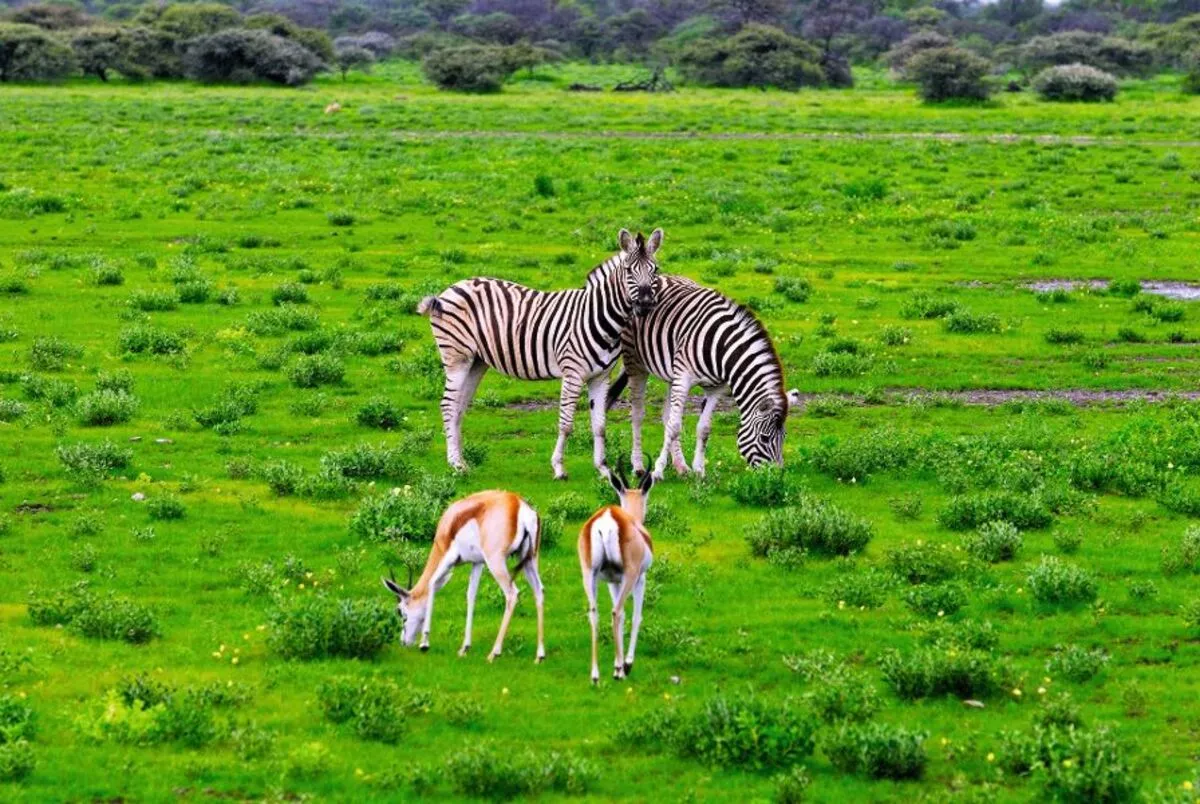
(640, 269)
(761, 431)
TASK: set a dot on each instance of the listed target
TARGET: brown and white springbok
(615, 545)
(484, 529)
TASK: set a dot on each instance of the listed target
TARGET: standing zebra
(696, 336)
(573, 334)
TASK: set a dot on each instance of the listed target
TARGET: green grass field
(909, 257)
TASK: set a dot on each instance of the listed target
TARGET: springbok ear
(625, 239)
(646, 483)
(793, 397)
(394, 588)
(654, 242)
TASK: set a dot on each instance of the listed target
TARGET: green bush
(238, 55)
(52, 354)
(790, 786)
(17, 719)
(12, 410)
(843, 695)
(410, 513)
(374, 707)
(1053, 580)
(936, 600)
(570, 505)
(1076, 663)
(1072, 764)
(281, 319)
(747, 732)
(924, 305)
(311, 371)
(150, 301)
(145, 339)
(923, 563)
(964, 322)
(1110, 53)
(16, 760)
(381, 414)
(1059, 336)
(766, 486)
(756, 56)
(313, 626)
(949, 73)
(233, 402)
(994, 542)
(952, 670)
(877, 751)
(165, 506)
(92, 615)
(1075, 82)
(485, 771)
(811, 524)
(104, 408)
(289, 293)
(93, 461)
(28, 53)
(971, 511)
(793, 288)
(859, 590)
(469, 68)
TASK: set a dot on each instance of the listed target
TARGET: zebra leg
(462, 377)
(637, 412)
(673, 424)
(703, 428)
(568, 399)
(598, 406)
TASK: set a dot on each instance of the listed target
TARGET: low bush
(791, 786)
(767, 486)
(971, 511)
(570, 505)
(410, 513)
(165, 506)
(1072, 764)
(89, 462)
(281, 319)
(52, 354)
(1075, 82)
(311, 371)
(747, 732)
(1076, 663)
(843, 695)
(315, 626)
(936, 600)
(994, 542)
(924, 305)
(374, 707)
(1056, 581)
(828, 363)
(486, 771)
(1058, 337)
(145, 339)
(951, 670)
(756, 56)
(369, 462)
(104, 408)
(12, 410)
(793, 288)
(964, 322)
(226, 411)
(949, 73)
(877, 751)
(17, 719)
(16, 760)
(469, 68)
(923, 563)
(859, 590)
(151, 301)
(380, 413)
(239, 55)
(811, 524)
(93, 615)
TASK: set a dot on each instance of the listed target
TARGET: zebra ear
(654, 242)
(793, 398)
(626, 241)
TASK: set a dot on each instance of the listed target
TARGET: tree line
(476, 45)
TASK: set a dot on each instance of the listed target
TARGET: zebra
(696, 336)
(574, 335)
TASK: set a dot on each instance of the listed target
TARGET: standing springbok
(484, 529)
(574, 335)
(615, 545)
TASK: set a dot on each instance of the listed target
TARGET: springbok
(615, 545)
(484, 529)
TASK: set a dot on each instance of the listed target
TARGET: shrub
(952, 670)
(810, 524)
(235, 401)
(484, 771)
(927, 306)
(764, 486)
(895, 336)
(949, 73)
(104, 408)
(899, 56)
(793, 288)
(1075, 82)
(756, 56)
(410, 513)
(843, 695)
(52, 354)
(285, 318)
(375, 708)
(311, 371)
(97, 616)
(11, 410)
(16, 757)
(923, 563)
(17, 720)
(858, 590)
(841, 364)
(1072, 764)
(1058, 336)
(240, 56)
(367, 461)
(906, 507)
(964, 322)
(289, 293)
(380, 413)
(1053, 580)
(93, 461)
(569, 505)
(745, 731)
(151, 301)
(317, 627)
(1112, 54)
(27, 53)
(165, 506)
(994, 542)
(282, 477)
(106, 274)
(1076, 663)
(469, 68)
(936, 600)
(145, 339)
(790, 787)
(877, 751)
(969, 511)
(1190, 612)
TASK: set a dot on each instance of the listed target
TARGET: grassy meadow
(220, 282)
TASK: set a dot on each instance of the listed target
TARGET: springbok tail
(430, 306)
(530, 550)
(614, 390)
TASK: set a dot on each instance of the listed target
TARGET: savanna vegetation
(974, 579)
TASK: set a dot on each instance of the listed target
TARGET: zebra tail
(614, 391)
(430, 305)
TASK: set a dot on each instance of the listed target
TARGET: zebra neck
(756, 376)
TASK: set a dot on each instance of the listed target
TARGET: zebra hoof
(628, 669)
(560, 475)
(464, 650)
(424, 649)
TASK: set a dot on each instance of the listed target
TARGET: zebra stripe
(575, 335)
(696, 336)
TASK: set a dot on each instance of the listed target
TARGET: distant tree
(876, 36)
(899, 56)
(445, 10)
(827, 20)
(923, 17)
(742, 12)
(524, 56)
(316, 41)
(589, 36)
(756, 56)
(28, 53)
(470, 68)
(157, 53)
(197, 19)
(101, 50)
(380, 44)
(51, 17)
(352, 57)
(498, 28)
(1014, 12)
(1108, 53)
(633, 33)
(949, 73)
(1174, 42)
(1075, 82)
(239, 55)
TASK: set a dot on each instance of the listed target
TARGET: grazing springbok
(615, 545)
(484, 529)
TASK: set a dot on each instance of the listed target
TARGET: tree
(197, 19)
(1109, 53)
(28, 53)
(1075, 82)
(742, 12)
(238, 55)
(100, 50)
(526, 56)
(51, 17)
(156, 52)
(380, 44)
(470, 68)
(756, 56)
(950, 73)
(352, 57)
(900, 55)
(316, 41)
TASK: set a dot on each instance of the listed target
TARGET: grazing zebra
(696, 336)
(573, 334)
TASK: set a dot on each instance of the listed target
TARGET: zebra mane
(747, 318)
(600, 273)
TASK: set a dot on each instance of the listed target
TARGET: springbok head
(410, 610)
(634, 499)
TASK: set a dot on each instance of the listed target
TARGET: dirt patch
(33, 508)
(1180, 291)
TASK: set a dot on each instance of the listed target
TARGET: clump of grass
(311, 371)
(994, 542)
(369, 461)
(936, 600)
(765, 486)
(856, 590)
(485, 771)
(409, 513)
(923, 563)
(93, 615)
(570, 505)
(1076, 663)
(938, 671)
(877, 750)
(906, 507)
(1055, 581)
(165, 507)
(892, 335)
(52, 354)
(377, 709)
(964, 322)
(17, 760)
(1062, 336)
(145, 339)
(90, 463)
(289, 293)
(224, 415)
(927, 306)
(104, 408)
(791, 786)
(970, 511)
(380, 413)
(793, 288)
(1071, 764)
(813, 525)
(314, 626)
(153, 301)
